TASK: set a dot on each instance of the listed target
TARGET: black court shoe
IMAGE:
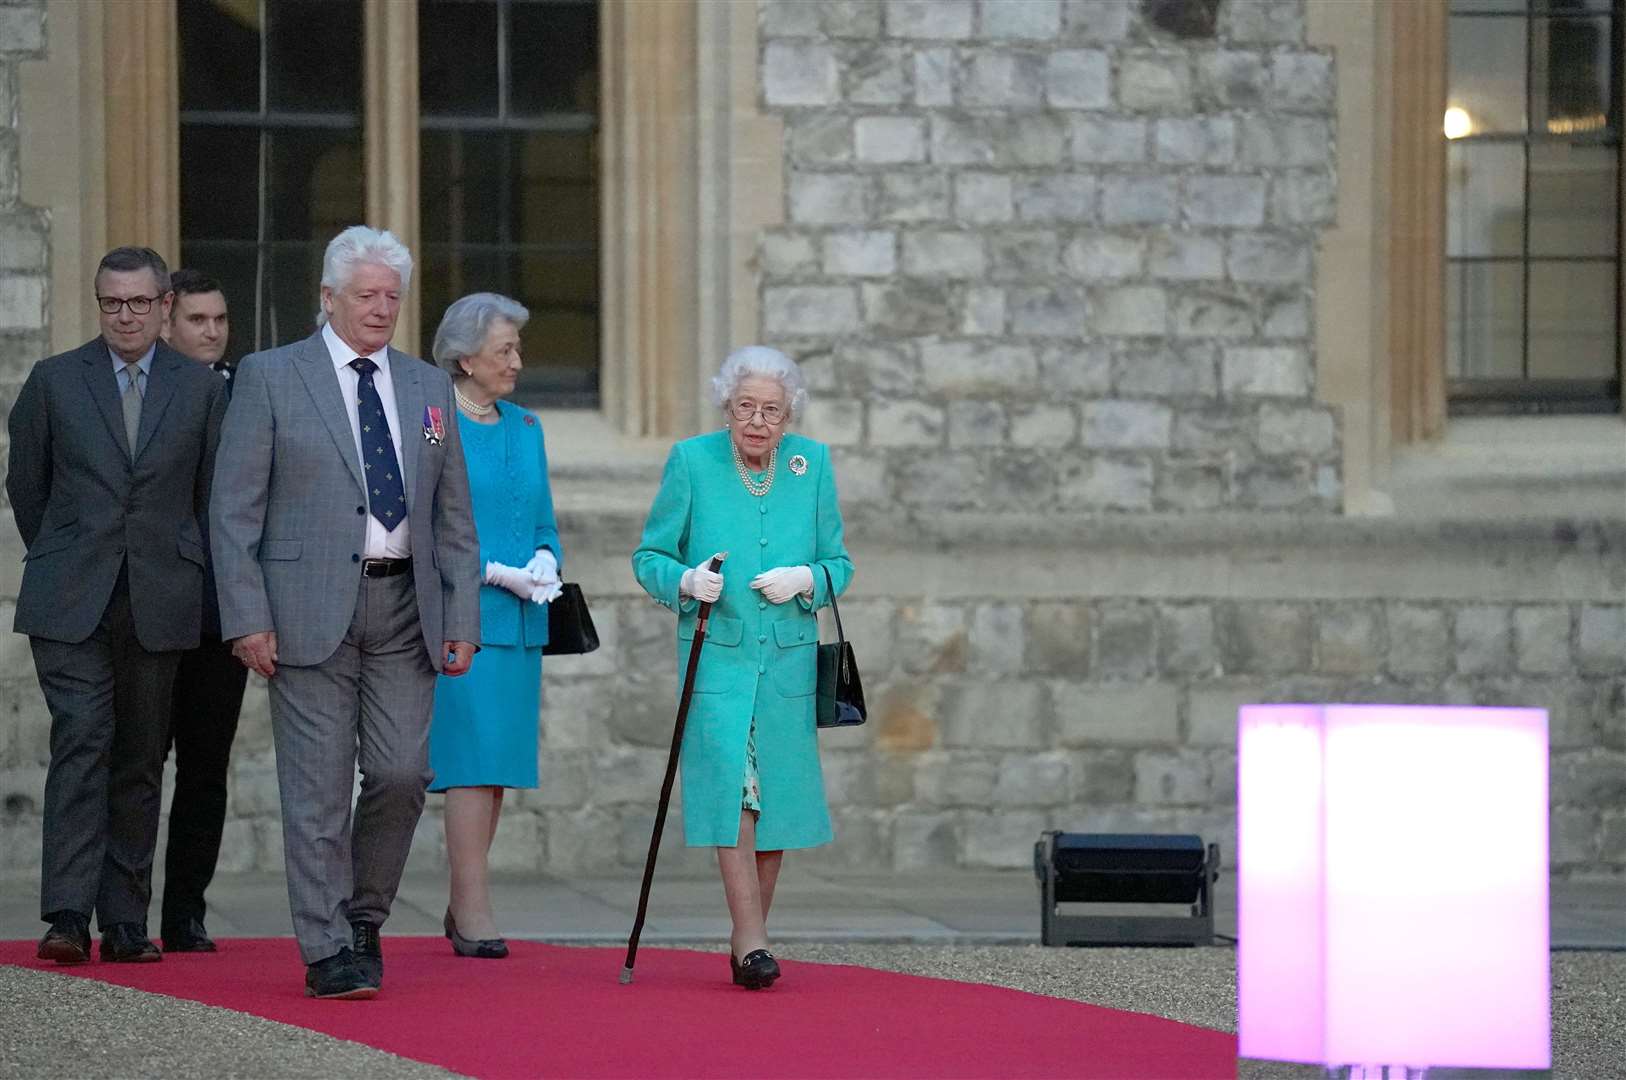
(479, 948)
(757, 971)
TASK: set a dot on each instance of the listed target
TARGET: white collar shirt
(395, 543)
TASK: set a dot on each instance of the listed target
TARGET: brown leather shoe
(68, 939)
(127, 943)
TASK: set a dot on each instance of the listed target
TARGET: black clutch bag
(570, 624)
(840, 701)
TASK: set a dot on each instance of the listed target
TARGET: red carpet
(554, 1011)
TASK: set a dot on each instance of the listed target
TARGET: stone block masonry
(1074, 232)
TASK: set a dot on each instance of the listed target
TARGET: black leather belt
(384, 567)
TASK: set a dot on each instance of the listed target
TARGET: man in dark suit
(112, 454)
(209, 686)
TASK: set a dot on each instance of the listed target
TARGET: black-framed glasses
(772, 414)
(139, 305)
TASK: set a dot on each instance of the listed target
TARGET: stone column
(649, 234)
(1417, 220)
(390, 134)
(143, 159)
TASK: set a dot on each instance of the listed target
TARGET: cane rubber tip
(626, 976)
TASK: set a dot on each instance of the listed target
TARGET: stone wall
(24, 292)
(1046, 264)
(1045, 253)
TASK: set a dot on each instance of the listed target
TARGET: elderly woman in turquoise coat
(484, 735)
(752, 783)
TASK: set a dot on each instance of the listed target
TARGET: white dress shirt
(397, 542)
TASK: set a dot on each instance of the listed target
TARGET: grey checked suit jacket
(289, 512)
(85, 506)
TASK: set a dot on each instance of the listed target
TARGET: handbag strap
(840, 637)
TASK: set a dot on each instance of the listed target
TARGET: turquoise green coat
(759, 658)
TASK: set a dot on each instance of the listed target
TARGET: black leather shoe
(337, 979)
(189, 936)
(68, 939)
(126, 943)
(369, 952)
(757, 971)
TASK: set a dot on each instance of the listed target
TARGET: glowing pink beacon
(1393, 886)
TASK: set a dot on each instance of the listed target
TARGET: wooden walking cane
(671, 774)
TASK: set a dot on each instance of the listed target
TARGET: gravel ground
(57, 1026)
(66, 1026)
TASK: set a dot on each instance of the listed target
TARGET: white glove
(512, 578)
(701, 583)
(543, 567)
(783, 582)
(546, 594)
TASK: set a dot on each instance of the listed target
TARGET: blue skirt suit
(758, 667)
(484, 731)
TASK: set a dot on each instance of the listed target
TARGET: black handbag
(570, 624)
(840, 700)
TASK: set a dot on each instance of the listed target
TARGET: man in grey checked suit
(348, 575)
(112, 449)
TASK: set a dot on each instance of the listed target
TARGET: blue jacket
(759, 659)
(513, 526)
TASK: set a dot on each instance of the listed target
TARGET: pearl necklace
(470, 407)
(753, 486)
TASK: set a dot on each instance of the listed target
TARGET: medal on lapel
(798, 464)
(434, 425)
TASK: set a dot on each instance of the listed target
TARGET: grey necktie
(130, 402)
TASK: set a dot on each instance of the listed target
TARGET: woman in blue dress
(484, 736)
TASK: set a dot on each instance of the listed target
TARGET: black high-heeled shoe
(483, 949)
(756, 972)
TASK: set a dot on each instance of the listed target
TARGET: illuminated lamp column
(1392, 905)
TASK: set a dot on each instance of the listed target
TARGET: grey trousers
(109, 701)
(368, 704)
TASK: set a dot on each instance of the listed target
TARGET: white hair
(762, 361)
(358, 246)
(464, 327)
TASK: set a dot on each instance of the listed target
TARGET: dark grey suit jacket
(84, 506)
(289, 518)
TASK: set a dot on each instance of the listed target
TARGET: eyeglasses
(772, 415)
(139, 305)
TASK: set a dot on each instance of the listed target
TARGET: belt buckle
(373, 567)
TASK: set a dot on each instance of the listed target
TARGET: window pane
(218, 170)
(1573, 191)
(219, 55)
(463, 181)
(1514, 6)
(1484, 309)
(457, 58)
(557, 203)
(316, 183)
(553, 50)
(1572, 320)
(561, 340)
(314, 56)
(1571, 92)
(1484, 199)
(1487, 72)
(449, 275)
(293, 291)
